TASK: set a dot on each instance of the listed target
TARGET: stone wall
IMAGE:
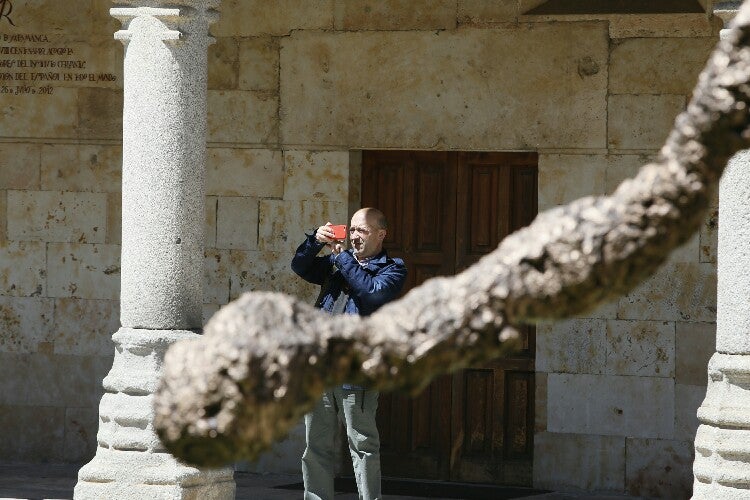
(296, 89)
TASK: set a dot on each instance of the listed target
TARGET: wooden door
(446, 210)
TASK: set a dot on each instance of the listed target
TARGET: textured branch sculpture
(265, 358)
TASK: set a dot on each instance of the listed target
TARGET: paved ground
(48, 481)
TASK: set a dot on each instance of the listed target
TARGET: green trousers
(355, 408)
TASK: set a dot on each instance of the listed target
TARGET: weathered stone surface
(640, 348)
(84, 271)
(216, 277)
(85, 327)
(114, 218)
(259, 64)
(274, 18)
(80, 434)
(321, 176)
(356, 15)
(46, 380)
(223, 64)
(3, 217)
(660, 25)
(237, 223)
(607, 310)
(688, 252)
(641, 122)
(479, 11)
(621, 167)
(592, 463)
(540, 402)
(100, 113)
(31, 433)
(242, 116)
(284, 456)
(709, 236)
(51, 16)
(657, 468)
(209, 310)
(19, 166)
(54, 116)
(695, 343)
(25, 322)
(572, 346)
(245, 172)
(57, 216)
(212, 203)
(564, 178)
(283, 224)
(355, 181)
(266, 271)
(369, 92)
(24, 268)
(688, 399)
(657, 65)
(677, 292)
(610, 405)
(81, 168)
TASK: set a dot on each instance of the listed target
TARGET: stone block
(584, 462)
(84, 271)
(657, 468)
(259, 64)
(640, 348)
(660, 25)
(678, 291)
(267, 271)
(216, 277)
(272, 18)
(100, 113)
(321, 176)
(242, 116)
(42, 116)
(283, 224)
(52, 16)
(688, 398)
(81, 168)
(223, 64)
(237, 223)
(657, 65)
(641, 122)
(19, 166)
(31, 433)
(621, 167)
(85, 327)
(57, 216)
(245, 172)
(540, 402)
(564, 178)
(355, 181)
(610, 405)
(451, 89)
(81, 425)
(695, 344)
(209, 310)
(25, 322)
(354, 15)
(607, 310)
(3, 217)
(212, 203)
(114, 219)
(42, 379)
(24, 268)
(709, 236)
(571, 346)
(481, 12)
(283, 457)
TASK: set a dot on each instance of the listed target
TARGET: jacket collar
(375, 261)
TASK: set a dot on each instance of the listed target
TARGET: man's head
(367, 231)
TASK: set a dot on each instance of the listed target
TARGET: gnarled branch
(265, 358)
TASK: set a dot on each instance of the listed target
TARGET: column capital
(172, 15)
(726, 10)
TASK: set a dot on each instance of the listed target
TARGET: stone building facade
(297, 90)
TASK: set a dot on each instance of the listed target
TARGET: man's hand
(324, 234)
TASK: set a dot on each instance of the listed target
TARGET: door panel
(445, 211)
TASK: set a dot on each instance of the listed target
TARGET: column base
(148, 476)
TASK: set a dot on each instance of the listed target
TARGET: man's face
(365, 236)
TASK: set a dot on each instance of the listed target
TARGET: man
(354, 281)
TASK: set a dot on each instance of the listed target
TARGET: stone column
(722, 443)
(163, 187)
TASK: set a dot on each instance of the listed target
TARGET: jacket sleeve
(373, 290)
(307, 265)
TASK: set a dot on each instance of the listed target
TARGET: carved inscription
(34, 64)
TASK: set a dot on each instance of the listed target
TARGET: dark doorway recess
(446, 210)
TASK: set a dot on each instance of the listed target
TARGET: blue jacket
(369, 286)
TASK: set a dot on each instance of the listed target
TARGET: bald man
(357, 280)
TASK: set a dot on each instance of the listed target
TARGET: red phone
(339, 232)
